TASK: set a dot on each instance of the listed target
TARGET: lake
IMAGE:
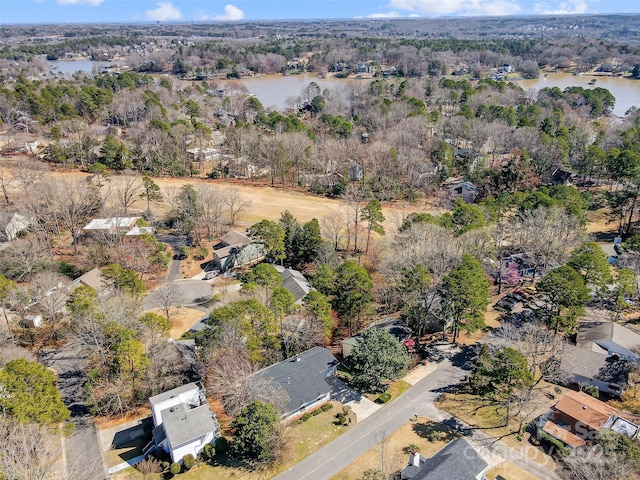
(69, 67)
(273, 90)
(625, 90)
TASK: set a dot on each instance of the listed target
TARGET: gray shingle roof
(295, 282)
(456, 461)
(302, 380)
(182, 424)
(235, 238)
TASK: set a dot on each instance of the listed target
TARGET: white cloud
(92, 3)
(458, 7)
(569, 7)
(165, 11)
(231, 12)
(384, 15)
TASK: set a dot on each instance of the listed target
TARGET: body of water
(273, 90)
(69, 67)
(625, 90)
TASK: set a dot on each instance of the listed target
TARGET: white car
(211, 274)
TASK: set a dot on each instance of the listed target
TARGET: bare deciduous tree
(236, 204)
(126, 190)
(29, 452)
(169, 298)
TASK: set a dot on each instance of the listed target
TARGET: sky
(137, 11)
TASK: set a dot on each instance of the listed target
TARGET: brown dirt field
(599, 221)
(268, 202)
(109, 422)
(395, 457)
(182, 320)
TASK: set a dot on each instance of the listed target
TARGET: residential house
(116, 226)
(455, 461)
(461, 189)
(577, 418)
(94, 279)
(183, 422)
(527, 264)
(506, 68)
(396, 327)
(295, 282)
(11, 224)
(560, 176)
(303, 378)
(609, 338)
(32, 320)
(236, 249)
(365, 68)
(581, 366)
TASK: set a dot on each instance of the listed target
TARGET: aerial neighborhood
(420, 263)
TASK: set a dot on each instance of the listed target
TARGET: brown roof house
(577, 418)
(236, 249)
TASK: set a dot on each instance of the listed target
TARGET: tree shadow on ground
(434, 431)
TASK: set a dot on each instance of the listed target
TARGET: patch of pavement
(360, 405)
(418, 373)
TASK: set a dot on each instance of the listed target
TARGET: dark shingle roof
(456, 461)
(303, 380)
(295, 282)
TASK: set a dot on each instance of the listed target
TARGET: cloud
(231, 12)
(92, 3)
(384, 15)
(165, 11)
(458, 7)
(570, 7)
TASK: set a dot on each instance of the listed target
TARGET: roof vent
(584, 407)
(172, 409)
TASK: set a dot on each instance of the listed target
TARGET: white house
(183, 422)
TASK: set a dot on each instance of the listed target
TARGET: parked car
(211, 274)
(505, 304)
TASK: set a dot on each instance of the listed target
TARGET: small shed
(32, 321)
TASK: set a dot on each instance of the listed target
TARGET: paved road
(176, 242)
(82, 455)
(190, 292)
(362, 437)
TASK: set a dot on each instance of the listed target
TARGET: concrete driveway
(191, 292)
(361, 405)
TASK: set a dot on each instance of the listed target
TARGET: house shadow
(132, 440)
(343, 393)
(435, 431)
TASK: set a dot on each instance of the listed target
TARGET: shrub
(165, 466)
(175, 468)
(188, 461)
(326, 407)
(183, 252)
(384, 397)
(305, 417)
(209, 451)
(317, 411)
(222, 445)
(149, 466)
(434, 436)
(340, 418)
(201, 254)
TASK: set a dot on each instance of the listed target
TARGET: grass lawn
(302, 439)
(479, 413)
(417, 432)
(395, 389)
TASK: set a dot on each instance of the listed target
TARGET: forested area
(400, 240)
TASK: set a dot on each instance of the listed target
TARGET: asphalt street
(82, 456)
(418, 400)
(340, 453)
